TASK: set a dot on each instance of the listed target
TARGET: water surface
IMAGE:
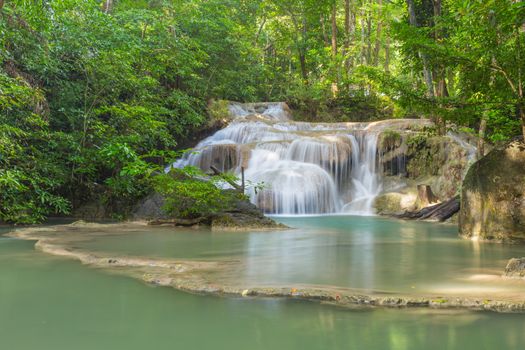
(368, 253)
(49, 303)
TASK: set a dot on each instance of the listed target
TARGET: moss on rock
(493, 196)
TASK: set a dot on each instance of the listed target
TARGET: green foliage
(390, 139)
(189, 195)
(218, 111)
(93, 101)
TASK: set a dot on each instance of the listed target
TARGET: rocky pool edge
(191, 276)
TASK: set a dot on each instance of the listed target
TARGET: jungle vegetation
(95, 96)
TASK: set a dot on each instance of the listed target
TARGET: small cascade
(470, 149)
(304, 168)
(365, 179)
(291, 187)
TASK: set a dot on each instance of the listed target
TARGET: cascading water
(304, 168)
(365, 179)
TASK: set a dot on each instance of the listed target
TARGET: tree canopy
(95, 94)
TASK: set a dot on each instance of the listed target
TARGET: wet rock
(437, 161)
(239, 215)
(94, 210)
(389, 203)
(493, 196)
(515, 268)
(150, 208)
(243, 215)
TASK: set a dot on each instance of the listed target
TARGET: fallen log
(438, 212)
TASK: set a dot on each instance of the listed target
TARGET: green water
(52, 303)
(49, 303)
(359, 252)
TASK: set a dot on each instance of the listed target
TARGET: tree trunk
(334, 48)
(440, 74)
(378, 33)
(368, 37)
(363, 46)
(348, 30)
(323, 29)
(427, 74)
(304, 70)
(425, 196)
(1, 4)
(521, 109)
(259, 31)
(387, 54)
(481, 138)
(300, 39)
(107, 6)
(334, 30)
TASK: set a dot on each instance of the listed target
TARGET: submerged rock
(515, 268)
(493, 196)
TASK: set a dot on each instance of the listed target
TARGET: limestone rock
(243, 215)
(515, 268)
(150, 208)
(388, 203)
(493, 196)
(240, 215)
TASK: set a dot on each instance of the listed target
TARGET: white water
(366, 181)
(304, 168)
(470, 149)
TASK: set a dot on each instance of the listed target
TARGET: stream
(307, 169)
(48, 302)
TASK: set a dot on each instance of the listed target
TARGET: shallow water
(49, 303)
(367, 253)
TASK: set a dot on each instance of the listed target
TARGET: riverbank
(207, 276)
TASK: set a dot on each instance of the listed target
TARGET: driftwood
(179, 222)
(438, 212)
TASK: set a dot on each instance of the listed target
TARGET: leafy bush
(189, 195)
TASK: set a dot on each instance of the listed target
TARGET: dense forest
(95, 96)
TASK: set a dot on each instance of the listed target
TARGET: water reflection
(51, 303)
(357, 252)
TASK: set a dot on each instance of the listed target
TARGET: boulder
(239, 215)
(493, 196)
(150, 208)
(242, 215)
(389, 203)
(515, 268)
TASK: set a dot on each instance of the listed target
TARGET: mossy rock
(388, 203)
(390, 139)
(439, 159)
(393, 203)
(493, 196)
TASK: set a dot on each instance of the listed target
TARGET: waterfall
(365, 180)
(303, 168)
